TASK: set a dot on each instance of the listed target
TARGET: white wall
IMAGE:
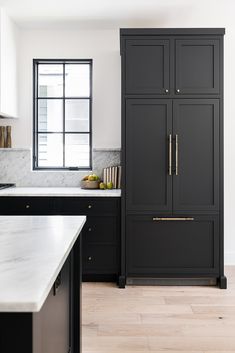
(103, 47)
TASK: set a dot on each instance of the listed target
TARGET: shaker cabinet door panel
(172, 247)
(148, 125)
(196, 125)
(197, 66)
(147, 66)
(100, 259)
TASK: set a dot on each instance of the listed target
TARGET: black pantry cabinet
(172, 155)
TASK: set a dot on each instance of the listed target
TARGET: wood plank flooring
(159, 319)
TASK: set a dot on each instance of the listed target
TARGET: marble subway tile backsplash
(16, 167)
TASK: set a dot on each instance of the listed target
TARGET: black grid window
(62, 114)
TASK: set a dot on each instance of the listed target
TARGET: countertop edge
(57, 192)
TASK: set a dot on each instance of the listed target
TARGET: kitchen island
(40, 279)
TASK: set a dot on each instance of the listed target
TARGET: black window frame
(36, 62)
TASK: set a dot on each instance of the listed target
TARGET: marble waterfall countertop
(59, 191)
(33, 250)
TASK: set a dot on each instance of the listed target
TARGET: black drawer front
(173, 247)
(27, 206)
(86, 205)
(58, 205)
(101, 230)
(100, 259)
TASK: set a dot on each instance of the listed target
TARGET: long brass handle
(176, 155)
(173, 219)
(170, 155)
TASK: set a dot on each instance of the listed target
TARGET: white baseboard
(229, 258)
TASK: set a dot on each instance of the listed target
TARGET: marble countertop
(59, 191)
(33, 250)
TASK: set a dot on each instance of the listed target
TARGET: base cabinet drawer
(101, 230)
(86, 205)
(100, 259)
(21, 205)
(186, 245)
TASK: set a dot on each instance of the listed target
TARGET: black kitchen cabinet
(90, 206)
(197, 66)
(56, 327)
(100, 250)
(182, 64)
(159, 142)
(25, 205)
(51, 325)
(172, 154)
(100, 259)
(147, 66)
(148, 126)
(190, 246)
(196, 182)
(101, 234)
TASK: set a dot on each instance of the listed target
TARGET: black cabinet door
(100, 259)
(100, 245)
(196, 126)
(148, 126)
(172, 247)
(147, 66)
(51, 325)
(197, 66)
(100, 230)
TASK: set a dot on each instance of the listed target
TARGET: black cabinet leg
(121, 281)
(223, 282)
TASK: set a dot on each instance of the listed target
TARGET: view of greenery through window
(62, 114)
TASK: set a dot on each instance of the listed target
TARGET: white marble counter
(33, 250)
(59, 191)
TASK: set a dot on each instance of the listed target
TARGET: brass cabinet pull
(170, 155)
(57, 284)
(173, 219)
(176, 155)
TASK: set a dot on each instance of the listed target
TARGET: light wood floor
(156, 319)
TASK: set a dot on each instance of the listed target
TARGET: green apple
(103, 186)
(109, 185)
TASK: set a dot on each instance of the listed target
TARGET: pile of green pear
(102, 185)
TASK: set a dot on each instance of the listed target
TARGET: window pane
(50, 115)
(50, 80)
(77, 115)
(50, 150)
(77, 80)
(77, 150)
